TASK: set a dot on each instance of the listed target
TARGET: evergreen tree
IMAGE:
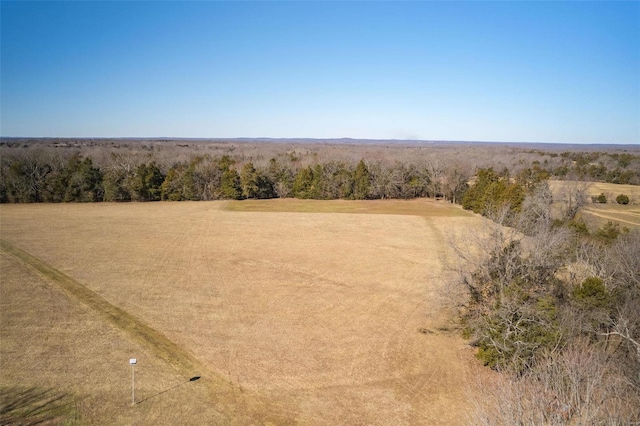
(303, 183)
(117, 185)
(230, 185)
(147, 183)
(171, 188)
(492, 192)
(281, 178)
(249, 181)
(82, 181)
(361, 181)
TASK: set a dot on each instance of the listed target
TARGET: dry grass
(308, 318)
(222, 392)
(611, 190)
(417, 207)
(62, 363)
(596, 215)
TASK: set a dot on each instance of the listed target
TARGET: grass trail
(225, 395)
(610, 217)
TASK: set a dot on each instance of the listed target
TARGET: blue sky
(494, 71)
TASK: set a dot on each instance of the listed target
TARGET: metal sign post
(133, 363)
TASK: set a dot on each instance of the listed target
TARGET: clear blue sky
(494, 71)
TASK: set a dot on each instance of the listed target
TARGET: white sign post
(133, 363)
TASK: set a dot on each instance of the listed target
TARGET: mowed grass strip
(163, 347)
(417, 207)
(225, 395)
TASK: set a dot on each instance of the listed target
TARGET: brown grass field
(596, 215)
(291, 312)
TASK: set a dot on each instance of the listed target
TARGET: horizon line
(346, 138)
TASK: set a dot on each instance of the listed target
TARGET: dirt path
(609, 217)
(224, 394)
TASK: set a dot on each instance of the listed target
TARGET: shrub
(592, 293)
(622, 199)
(609, 232)
(600, 198)
(578, 226)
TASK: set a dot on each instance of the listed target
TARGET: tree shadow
(193, 379)
(33, 406)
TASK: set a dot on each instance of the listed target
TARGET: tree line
(33, 179)
(41, 170)
(620, 168)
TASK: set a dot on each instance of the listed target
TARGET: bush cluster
(622, 199)
(602, 199)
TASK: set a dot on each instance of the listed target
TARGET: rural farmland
(320, 213)
(596, 214)
(289, 311)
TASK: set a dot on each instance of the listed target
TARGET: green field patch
(417, 207)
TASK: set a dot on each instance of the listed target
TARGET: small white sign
(133, 361)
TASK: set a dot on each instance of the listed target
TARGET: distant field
(287, 315)
(417, 207)
(611, 190)
(596, 215)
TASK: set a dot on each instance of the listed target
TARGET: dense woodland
(552, 307)
(91, 171)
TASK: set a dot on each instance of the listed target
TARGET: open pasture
(611, 190)
(595, 214)
(288, 315)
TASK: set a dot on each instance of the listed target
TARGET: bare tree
(572, 196)
(436, 170)
(623, 262)
(455, 181)
(577, 386)
(536, 209)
